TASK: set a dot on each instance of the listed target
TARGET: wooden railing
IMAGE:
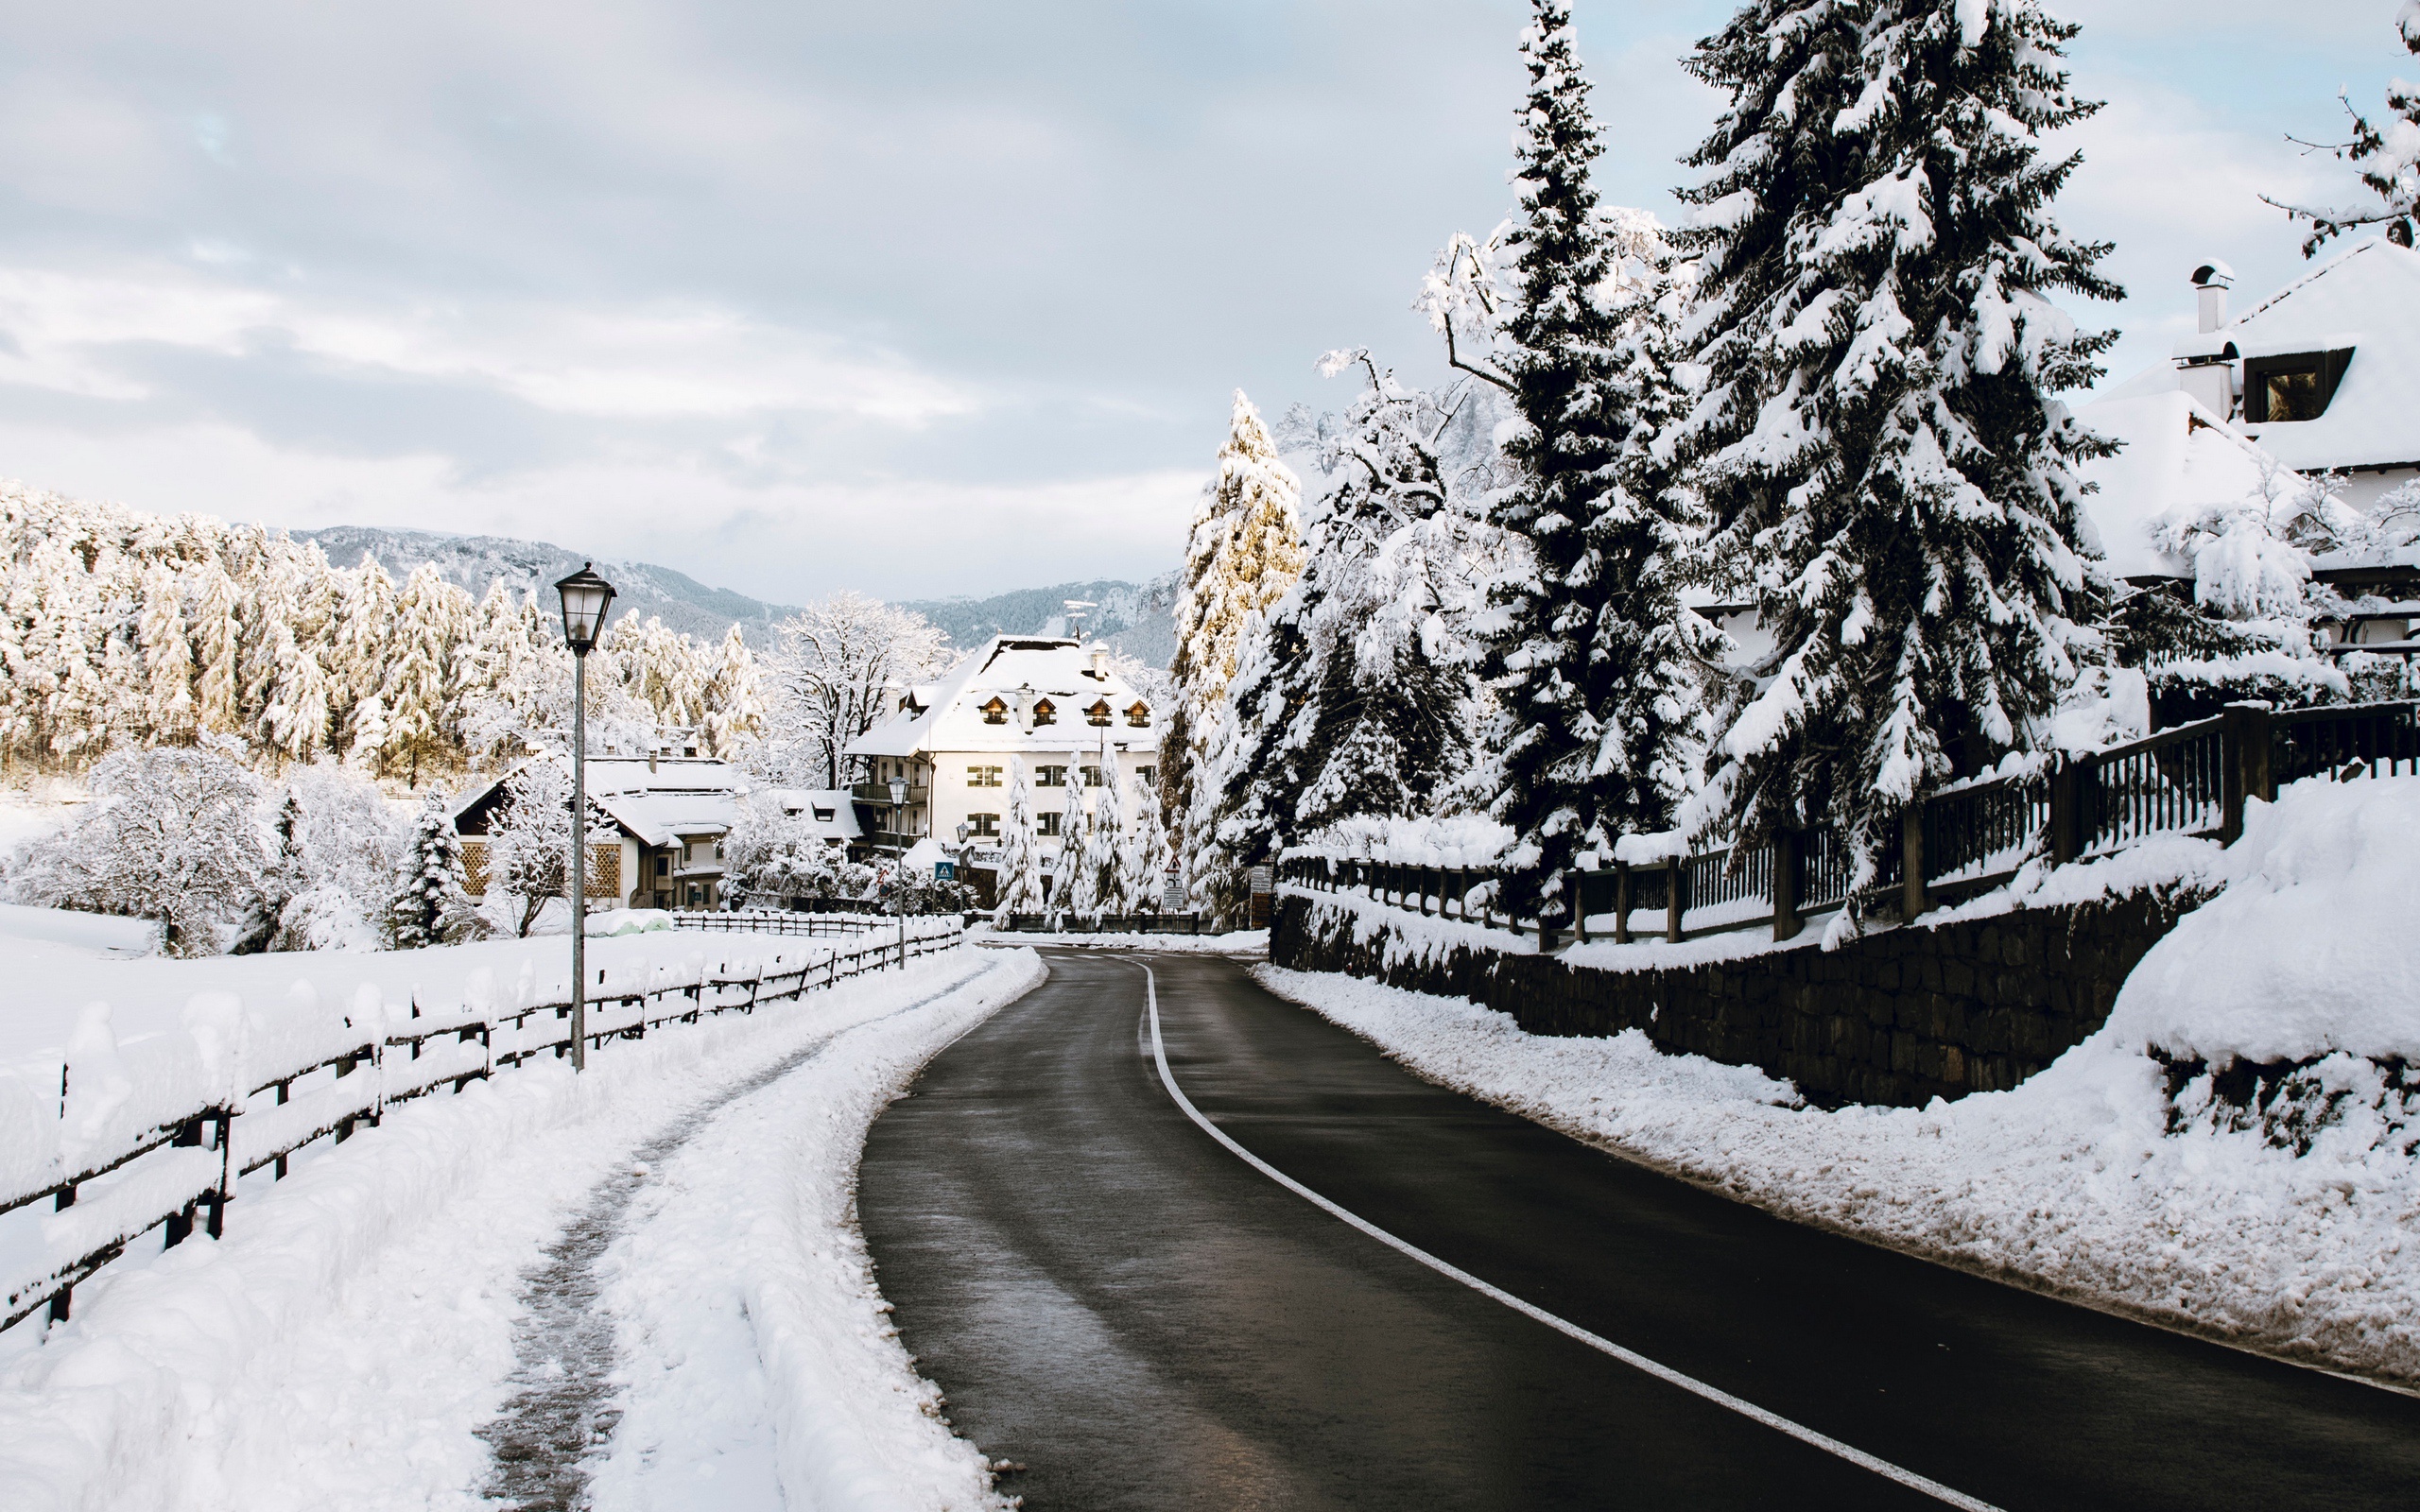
(2193, 780)
(808, 926)
(178, 1145)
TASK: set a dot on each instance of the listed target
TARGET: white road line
(1629, 1357)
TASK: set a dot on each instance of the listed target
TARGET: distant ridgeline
(681, 602)
(122, 629)
(1135, 618)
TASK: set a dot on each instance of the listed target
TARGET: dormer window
(995, 711)
(822, 816)
(2294, 386)
(1098, 712)
(1138, 714)
(1045, 713)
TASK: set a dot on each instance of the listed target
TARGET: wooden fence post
(1786, 848)
(1580, 880)
(1912, 900)
(2244, 765)
(1621, 903)
(1676, 895)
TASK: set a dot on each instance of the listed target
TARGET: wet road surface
(1114, 1300)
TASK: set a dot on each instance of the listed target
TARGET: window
(1049, 826)
(983, 777)
(2295, 386)
(1139, 715)
(1098, 712)
(1050, 776)
(1092, 777)
(1045, 713)
(822, 815)
(985, 825)
(663, 863)
(1150, 775)
(995, 712)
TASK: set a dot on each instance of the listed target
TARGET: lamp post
(585, 598)
(899, 828)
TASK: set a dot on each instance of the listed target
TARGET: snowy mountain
(1134, 617)
(473, 561)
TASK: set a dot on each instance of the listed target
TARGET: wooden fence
(183, 1133)
(803, 925)
(2192, 779)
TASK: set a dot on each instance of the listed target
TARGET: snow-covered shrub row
(119, 627)
(347, 1339)
(1449, 840)
(2292, 1232)
(188, 836)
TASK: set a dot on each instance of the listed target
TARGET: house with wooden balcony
(941, 759)
(670, 817)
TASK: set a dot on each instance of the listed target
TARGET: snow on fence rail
(2192, 779)
(162, 1128)
(783, 921)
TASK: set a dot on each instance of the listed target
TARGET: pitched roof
(1019, 670)
(2168, 462)
(2366, 298)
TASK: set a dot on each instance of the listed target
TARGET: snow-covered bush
(177, 838)
(335, 845)
(916, 891)
(771, 855)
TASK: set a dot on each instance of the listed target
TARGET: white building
(1049, 702)
(2323, 377)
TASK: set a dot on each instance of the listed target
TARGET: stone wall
(1896, 1017)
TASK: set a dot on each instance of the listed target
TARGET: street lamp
(585, 598)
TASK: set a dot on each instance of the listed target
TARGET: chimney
(1100, 664)
(2211, 282)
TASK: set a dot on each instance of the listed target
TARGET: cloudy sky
(919, 299)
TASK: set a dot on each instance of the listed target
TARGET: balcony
(880, 793)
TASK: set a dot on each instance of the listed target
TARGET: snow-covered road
(365, 1330)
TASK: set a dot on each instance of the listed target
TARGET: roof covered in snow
(678, 796)
(1022, 674)
(2367, 299)
(813, 804)
(2175, 456)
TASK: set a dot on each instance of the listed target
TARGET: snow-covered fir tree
(1071, 888)
(1105, 838)
(1886, 471)
(1571, 308)
(1145, 857)
(1245, 552)
(1355, 693)
(428, 896)
(1018, 888)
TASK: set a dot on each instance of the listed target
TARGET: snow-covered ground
(1236, 942)
(345, 1341)
(2088, 1180)
(58, 960)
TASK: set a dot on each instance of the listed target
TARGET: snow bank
(777, 1323)
(2312, 947)
(2088, 1180)
(342, 1344)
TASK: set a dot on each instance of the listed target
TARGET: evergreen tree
(219, 705)
(1019, 874)
(1143, 862)
(1071, 886)
(1245, 551)
(1877, 445)
(416, 694)
(168, 657)
(1105, 841)
(429, 896)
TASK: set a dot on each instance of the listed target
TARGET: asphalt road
(1112, 1298)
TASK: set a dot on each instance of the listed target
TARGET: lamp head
(586, 597)
(899, 792)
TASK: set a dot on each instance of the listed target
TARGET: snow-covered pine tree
(1071, 890)
(429, 892)
(218, 701)
(2388, 161)
(416, 695)
(1589, 651)
(1877, 443)
(167, 658)
(1355, 696)
(1018, 878)
(358, 628)
(734, 699)
(1143, 862)
(1245, 552)
(1105, 841)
